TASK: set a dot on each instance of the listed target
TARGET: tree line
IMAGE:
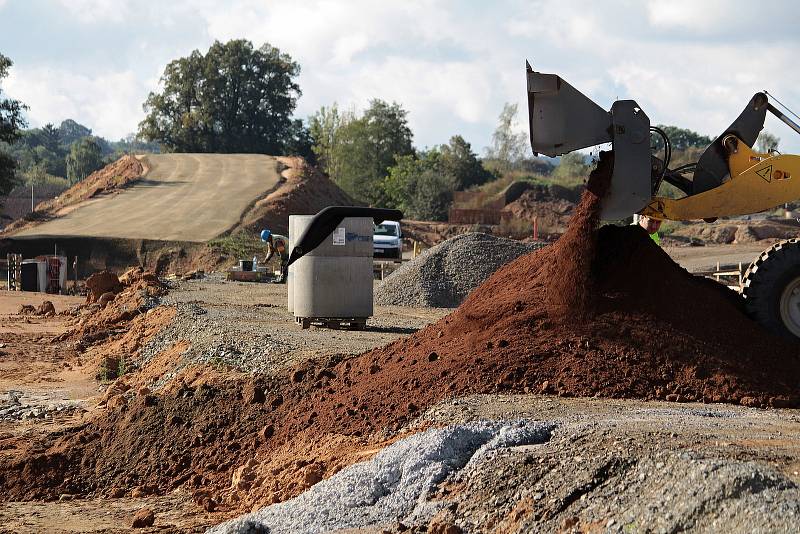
(237, 98)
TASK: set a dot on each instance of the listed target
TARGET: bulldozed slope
(106, 181)
(180, 197)
(303, 191)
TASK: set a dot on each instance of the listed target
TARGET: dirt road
(182, 197)
(695, 259)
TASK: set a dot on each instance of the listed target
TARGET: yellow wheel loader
(729, 179)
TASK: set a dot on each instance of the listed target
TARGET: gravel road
(247, 326)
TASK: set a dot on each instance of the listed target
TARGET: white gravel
(444, 275)
(394, 485)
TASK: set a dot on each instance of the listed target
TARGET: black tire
(767, 285)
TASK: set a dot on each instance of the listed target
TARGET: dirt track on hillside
(182, 197)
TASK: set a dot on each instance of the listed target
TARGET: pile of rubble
(442, 276)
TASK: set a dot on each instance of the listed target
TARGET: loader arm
(729, 178)
(757, 182)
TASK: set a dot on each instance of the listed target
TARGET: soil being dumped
(600, 313)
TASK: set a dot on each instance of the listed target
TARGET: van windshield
(386, 229)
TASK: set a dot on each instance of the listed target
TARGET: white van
(387, 241)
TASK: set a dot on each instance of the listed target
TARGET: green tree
(463, 165)
(680, 138)
(572, 165)
(421, 186)
(324, 128)
(232, 99)
(509, 147)
(11, 122)
(366, 147)
(50, 137)
(85, 157)
(767, 142)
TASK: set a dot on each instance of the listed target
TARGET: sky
(451, 64)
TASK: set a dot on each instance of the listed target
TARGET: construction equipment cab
(728, 179)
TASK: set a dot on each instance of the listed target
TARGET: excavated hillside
(303, 190)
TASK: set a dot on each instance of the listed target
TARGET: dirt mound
(552, 214)
(111, 309)
(304, 191)
(100, 283)
(109, 179)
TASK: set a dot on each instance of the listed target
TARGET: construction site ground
(605, 462)
(706, 258)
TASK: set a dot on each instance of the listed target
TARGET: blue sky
(451, 64)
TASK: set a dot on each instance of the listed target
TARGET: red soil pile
(600, 313)
(100, 283)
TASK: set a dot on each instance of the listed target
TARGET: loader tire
(771, 289)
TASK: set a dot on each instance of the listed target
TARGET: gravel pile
(393, 485)
(221, 335)
(444, 275)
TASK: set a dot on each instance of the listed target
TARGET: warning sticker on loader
(339, 236)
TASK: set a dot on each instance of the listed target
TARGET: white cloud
(451, 64)
(97, 10)
(105, 102)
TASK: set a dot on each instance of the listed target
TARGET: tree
(364, 149)
(422, 186)
(508, 147)
(232, 99)
(50, 137)
(767, 142)
(11, 122)
(324, 128)
(70, 131)
(85, 157)
(299, 142)
(680, 138)
(571, 165)
(463, 165)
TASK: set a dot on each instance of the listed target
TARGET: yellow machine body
(757, 182)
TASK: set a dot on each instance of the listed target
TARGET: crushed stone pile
(392, 486)
(442, 276)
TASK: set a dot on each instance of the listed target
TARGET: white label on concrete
(339, 236)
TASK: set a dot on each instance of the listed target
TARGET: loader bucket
(562, 119)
